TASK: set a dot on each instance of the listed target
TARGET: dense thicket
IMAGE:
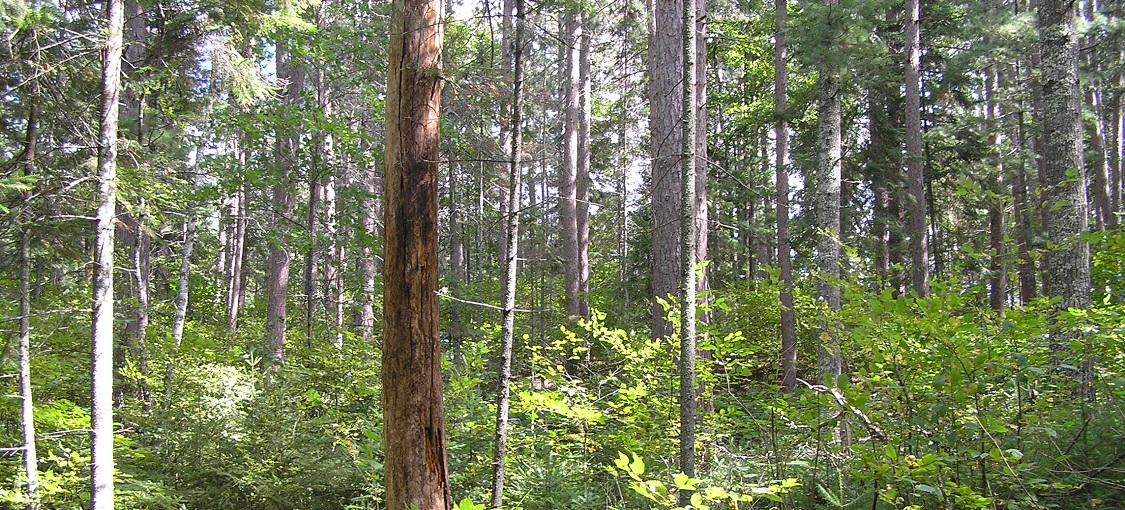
(909, 159)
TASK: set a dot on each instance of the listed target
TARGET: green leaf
(683, 482)
(929, 489)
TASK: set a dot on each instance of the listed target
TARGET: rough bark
(915, 160)
(414, 436)
(1068, 263)
(101, 406)
(688, 241)
(133, 48)
(665, 102)
(997, 208)
(582, 180)
(827, 205)
(511, 266)
(781, 174)
(284, 200)
(505, 124)
(142, 274)
(569, 170)
(700, 209)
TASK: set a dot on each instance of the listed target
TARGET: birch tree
(101, 406)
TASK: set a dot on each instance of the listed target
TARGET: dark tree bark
(284, 199)
(915, 160)
(572, 156)
(414, 436)
(1021, 193)
(1068, 261)
(101, 407)
(688, 243)
(997, 208)
(781, 170)
(665, 59)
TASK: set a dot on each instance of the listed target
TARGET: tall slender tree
(284, 200)
(781, 174)
(27, 409)
(998, 205)
(688, 398)
(511, 265)
(413, 413)
(572, 155)
(101, 406)
(828, 176)
(915, 160)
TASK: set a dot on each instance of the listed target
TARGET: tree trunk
(876, 152)
(101, 406)
(1100, 162)
(505, 124)
(284, 199)
(334, 269)
(915, 160)
(235, 288)
(569, 170)
(310, 277)
(142, 273)
(828, 207)
(688, 241)
(511, 266)
(781, 170)
(699, 209)
(183, 289)
(27, 410)
(367, 264)
(133, 48)
(456, 270)
(582, 180)
(997, 208)
(414, 435)
(665, 108)
(1068, 262)
(1023, 207)
(325, 147)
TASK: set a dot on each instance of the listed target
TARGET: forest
(562, 254)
